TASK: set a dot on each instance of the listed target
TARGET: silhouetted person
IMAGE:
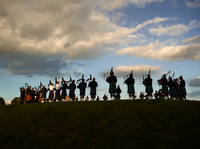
(93, 85)
(141, 95)
(105, 97)
(64, 90)
(171, 85)
(163, 82)
(148, 85)
(22, 96)
(182, 90)
(112, 80)
(44, 93)
(28, 94)
(33, 94)
(82, 86)
(72, 88)
(130, 84)
(118, 92)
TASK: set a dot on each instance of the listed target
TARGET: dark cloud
(194, 94)
(39, 65)
(195, 82)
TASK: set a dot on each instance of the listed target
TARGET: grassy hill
(112, 124)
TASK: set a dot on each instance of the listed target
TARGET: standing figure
(130, 84)
(57, 91)
(38, 98)
(148, 84)
(82, 87)
(163, 82)
(93, 85)
(72, 88)
(33, 94)
(176, 85)
(171, 85)
(112, 80)
(22, 96)
(182, 90)
(51, 93)
(64, 92)
(118, 92)
(28, 94)
(44, 93)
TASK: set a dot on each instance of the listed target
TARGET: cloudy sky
(44, 39)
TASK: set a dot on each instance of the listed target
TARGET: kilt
(51, 95)
(182, 92)
(57, 93)
(172, 91)
(112, 88)
(28, 97)
(164, 89)
(131, 89)
(176, 91)
(64, 93)
(149, 89)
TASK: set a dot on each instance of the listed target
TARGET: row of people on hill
(173, 88)
(59, 92)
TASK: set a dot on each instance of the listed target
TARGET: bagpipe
(127, 76)
(80, 79)
(90, 78)
(159, 80)
(111, 74)
(145, 76)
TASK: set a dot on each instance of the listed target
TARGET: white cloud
(117, 4)
(194, 4)
(138, 70)
(170, 53)
(174, 30)
(192, 40)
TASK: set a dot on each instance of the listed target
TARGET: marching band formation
(171, 88)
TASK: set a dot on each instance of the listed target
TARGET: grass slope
(111, 124)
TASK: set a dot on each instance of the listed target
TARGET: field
(105, 124)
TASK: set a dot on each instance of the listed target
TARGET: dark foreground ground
(129, 124)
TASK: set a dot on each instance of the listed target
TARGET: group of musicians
(175, 88)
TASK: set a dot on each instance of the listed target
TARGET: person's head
(170, 78)
(181, 77)
(83, 80)
(93, 79)
(51, 84)
(29, 87)
(57, 82)
(148, 75)
(73, 81)
(43, 85)
(65, 82)
(164, 76)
